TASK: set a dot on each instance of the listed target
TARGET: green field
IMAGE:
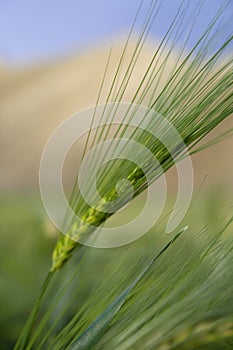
(27, 240)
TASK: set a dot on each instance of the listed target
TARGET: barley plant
(160, 292)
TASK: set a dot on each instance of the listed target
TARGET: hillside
(34, 100)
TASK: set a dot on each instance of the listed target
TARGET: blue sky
(35, 30)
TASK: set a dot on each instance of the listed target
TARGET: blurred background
(52, 59)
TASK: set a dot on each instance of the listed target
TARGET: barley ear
(62, 252)
(66, 244)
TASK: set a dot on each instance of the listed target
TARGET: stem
(27, 330)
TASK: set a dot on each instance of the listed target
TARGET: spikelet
(66, 244)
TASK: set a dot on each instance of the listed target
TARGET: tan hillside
(33, 101)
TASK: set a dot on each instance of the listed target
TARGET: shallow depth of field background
(52, 59)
